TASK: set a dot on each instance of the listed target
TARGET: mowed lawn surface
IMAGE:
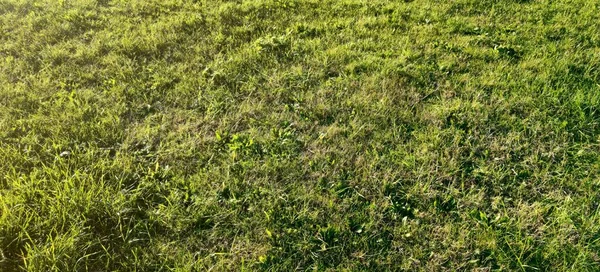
(268, 135)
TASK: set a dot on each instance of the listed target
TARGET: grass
(299, 135)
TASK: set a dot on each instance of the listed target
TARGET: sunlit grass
(299, 135)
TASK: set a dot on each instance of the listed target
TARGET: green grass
(269, 135)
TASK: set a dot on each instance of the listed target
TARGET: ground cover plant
(266, 135)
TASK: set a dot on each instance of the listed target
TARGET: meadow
(272, 135)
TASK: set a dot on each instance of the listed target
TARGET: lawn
(272, 135)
